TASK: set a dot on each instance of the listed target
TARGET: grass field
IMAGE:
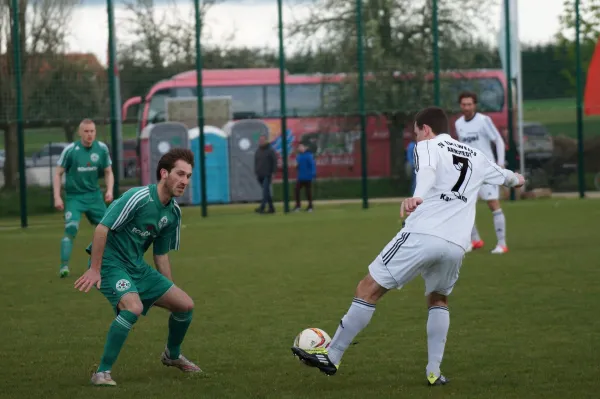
(523, 325)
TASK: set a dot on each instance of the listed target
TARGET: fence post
(511, 139)
(51, 178)
(436, 54)
(361, 102)
(114, 107)
(19, 89)
(580, 164)
(200, 109)
(283, 108)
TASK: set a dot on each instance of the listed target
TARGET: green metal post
(284, 144)
(200, 108)
(361, 102)
(580, 165)
(112, 62)
(436, 54)
(512, 164)
(20, 135)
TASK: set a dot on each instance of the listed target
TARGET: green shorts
(147, 282)
(92, 204)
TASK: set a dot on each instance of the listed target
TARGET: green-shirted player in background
(141, 217)
(82, 162)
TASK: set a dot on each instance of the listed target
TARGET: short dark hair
(435, 118)
(467, 94)
(168, 160)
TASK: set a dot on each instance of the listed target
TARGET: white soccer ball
(312, 338)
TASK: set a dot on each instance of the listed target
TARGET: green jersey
(82, 166)
(137, 220)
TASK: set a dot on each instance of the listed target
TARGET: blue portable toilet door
(217, 165)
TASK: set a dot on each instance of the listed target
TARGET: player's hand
(521, 180)
(108, 197)
(59, 204)
(409, 205)
(90, 278)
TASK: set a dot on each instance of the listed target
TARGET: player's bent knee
(187, 304)
(494, 205)
(71, 229)
(132, 303)
(437, 299)
(369, 290)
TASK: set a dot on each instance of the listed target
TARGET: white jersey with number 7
(448, 208)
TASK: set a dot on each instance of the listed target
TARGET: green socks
(178, 325)
(117, 334)
(66, 246)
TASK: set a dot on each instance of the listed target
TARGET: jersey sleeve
(495, 174)
(168, 240)
(121, 211)
(65, 158)
(425, 155)
(494, 136)
(106, 160)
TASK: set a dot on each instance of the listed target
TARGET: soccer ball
(312, 338)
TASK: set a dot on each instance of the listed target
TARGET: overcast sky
(254, 22)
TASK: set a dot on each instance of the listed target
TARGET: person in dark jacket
(265, 165)
(307, 171)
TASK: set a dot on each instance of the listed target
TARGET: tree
(397, 39)
(589, 25)
(42, 33)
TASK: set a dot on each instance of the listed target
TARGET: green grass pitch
(523, 325)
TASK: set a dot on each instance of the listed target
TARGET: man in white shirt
(478, 131)
(432, 241)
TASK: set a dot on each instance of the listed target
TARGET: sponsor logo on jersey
(162, 222)
(87, 168)
(470, 139)
(140, 232)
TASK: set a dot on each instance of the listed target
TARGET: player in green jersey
(81, 162)
(141, 217)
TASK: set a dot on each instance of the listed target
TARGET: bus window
(301, 100)
(157, 111)
(246, 99)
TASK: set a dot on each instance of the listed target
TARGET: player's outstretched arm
(163, 265)
(92, 276)
(502, 177)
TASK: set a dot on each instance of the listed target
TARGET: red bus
(334, 140)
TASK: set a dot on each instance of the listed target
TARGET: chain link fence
(352, 76)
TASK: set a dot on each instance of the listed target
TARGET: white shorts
(409, 254)
(489, 192)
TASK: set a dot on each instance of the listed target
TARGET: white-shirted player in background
(431, 243)
(478, 131)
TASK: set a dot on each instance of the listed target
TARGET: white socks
(358, 317)
(500, 226)
(437, 331)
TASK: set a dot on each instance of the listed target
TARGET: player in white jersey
(432, 241)
(478, 131)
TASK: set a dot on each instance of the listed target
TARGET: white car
(49, 154)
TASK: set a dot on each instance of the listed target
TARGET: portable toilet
(155, 141)
(243, 143)
(216, 149)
